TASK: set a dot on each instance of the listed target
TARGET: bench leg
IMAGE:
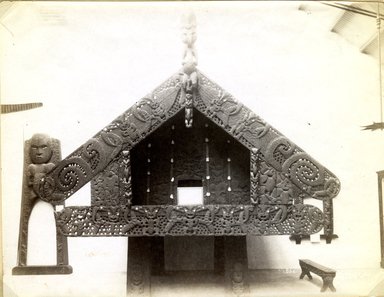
(328, 283)
(305, 272)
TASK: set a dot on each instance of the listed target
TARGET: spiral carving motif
(72, 173)
(315, 215)
(278, 151)
(303, 171)
(94, 153)
(331, 189)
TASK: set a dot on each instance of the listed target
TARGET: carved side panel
(113, 186)
(41, 153)
(105, 187)
(274, 187)
(254, 176)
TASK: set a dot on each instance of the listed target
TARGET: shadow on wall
(266, 252)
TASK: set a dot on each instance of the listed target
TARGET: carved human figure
(137, 279)
(267, 181)
(237, 279)
(40, 153)
(283, 192)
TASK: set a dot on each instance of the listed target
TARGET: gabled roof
(164, 102)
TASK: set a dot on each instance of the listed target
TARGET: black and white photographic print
(192, 148)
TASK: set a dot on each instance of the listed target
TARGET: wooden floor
(348, 283)
(263, 283)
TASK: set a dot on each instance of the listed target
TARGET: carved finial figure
(189, 75)
(189, 38)
(40, 153)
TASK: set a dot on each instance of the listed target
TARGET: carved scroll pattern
(127, 130)
(185, 220)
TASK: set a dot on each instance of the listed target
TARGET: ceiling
(357, 22)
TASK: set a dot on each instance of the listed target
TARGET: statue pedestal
(42, 269)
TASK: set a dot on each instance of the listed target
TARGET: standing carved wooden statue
(41, 154)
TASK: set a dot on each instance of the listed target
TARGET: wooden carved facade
(187, 132)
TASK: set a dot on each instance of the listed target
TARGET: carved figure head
(237, 275)
(40, 151)
(189, 28)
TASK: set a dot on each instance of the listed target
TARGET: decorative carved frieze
(190, 220)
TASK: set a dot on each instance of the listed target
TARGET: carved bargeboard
(311, 178)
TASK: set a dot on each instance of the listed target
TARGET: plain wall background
(89, 62)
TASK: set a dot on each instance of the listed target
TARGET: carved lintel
(208, 220)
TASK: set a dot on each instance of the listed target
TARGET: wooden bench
(327, 274)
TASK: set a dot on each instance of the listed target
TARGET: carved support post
(219, 248)
(236, 265)
(157, 255)
(62, 248)
(328, 221)
(41, 153)
(138, 268)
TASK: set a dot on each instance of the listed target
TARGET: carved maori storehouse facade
(188, 132)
